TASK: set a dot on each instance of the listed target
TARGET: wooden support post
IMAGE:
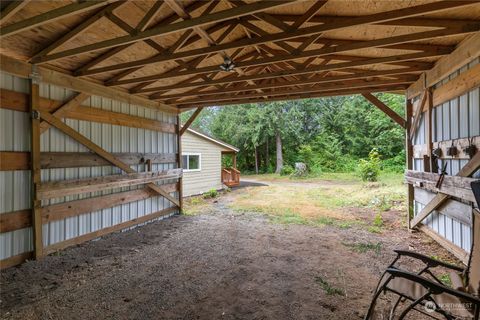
(235, 160)
(180, 165)
(35, 164)
(429, 137)
(190, 120)
(409, 160)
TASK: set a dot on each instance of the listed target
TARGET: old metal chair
(423, 292)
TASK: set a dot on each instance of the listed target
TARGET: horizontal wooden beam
(284, 73)
(362, 74)
(101, 232)
(15, 260)
(48, 190)
(57, 123)
(344, 85)
(77, 207)
(386, 88)
(440, 198)
(385, 109)
(163, 30)
(19, 102)
(461, 84)
(24, 69)
(10, 160)
(15, 220)
(49, 160)
(454, 186)
(466, 51)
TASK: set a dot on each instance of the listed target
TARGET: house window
(191, 162)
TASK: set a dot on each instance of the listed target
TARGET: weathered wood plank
(15, 260)
(454, 186)
(62, 188)
(93, 235)
(15, 220)
(190, 120)
(64, 109)
(74, 208)
(440, 198)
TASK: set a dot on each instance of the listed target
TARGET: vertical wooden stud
(35, 164)
(409, 159)
(429, 136)
(179, 164)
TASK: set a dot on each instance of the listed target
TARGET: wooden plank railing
(230, 177)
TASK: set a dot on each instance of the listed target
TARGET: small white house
(202, 163)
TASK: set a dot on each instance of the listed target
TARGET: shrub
(287, 170)
(306, 155)
(212, 193)
(369, 169)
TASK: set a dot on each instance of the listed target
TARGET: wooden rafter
(397, 42)
(12, 8)
(375, 18)
(50, 16)
(167, 29)
(320, 68)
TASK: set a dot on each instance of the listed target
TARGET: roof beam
(314, 80)
(397, 42)
(366, 89)
(329, 67)
(374, 18)
(82, 27)
(50, 16)
(167, 29)
(12, 8)
(305, 90)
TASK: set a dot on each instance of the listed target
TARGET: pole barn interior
(91, 94)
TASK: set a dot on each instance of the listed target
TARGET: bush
(306, 155)
(370, 169)
(287, 170)
(212, 193)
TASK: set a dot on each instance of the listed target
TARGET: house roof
(177, 54)
(211, 139)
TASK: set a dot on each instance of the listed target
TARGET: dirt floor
(223, 263)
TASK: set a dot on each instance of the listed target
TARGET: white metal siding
(209, 177)
(457, 118)
(15, 185)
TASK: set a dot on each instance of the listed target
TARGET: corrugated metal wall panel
(457, 118)
(15, 185)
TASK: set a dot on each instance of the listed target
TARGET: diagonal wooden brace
(57, 123)
(440, 198)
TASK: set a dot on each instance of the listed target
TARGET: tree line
(328, 134)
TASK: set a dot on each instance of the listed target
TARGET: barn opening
(91, 94)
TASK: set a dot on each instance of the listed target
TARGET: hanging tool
(442, 176)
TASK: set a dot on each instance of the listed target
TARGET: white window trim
(199, 161)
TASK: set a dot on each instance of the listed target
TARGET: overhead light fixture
(227, 65)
